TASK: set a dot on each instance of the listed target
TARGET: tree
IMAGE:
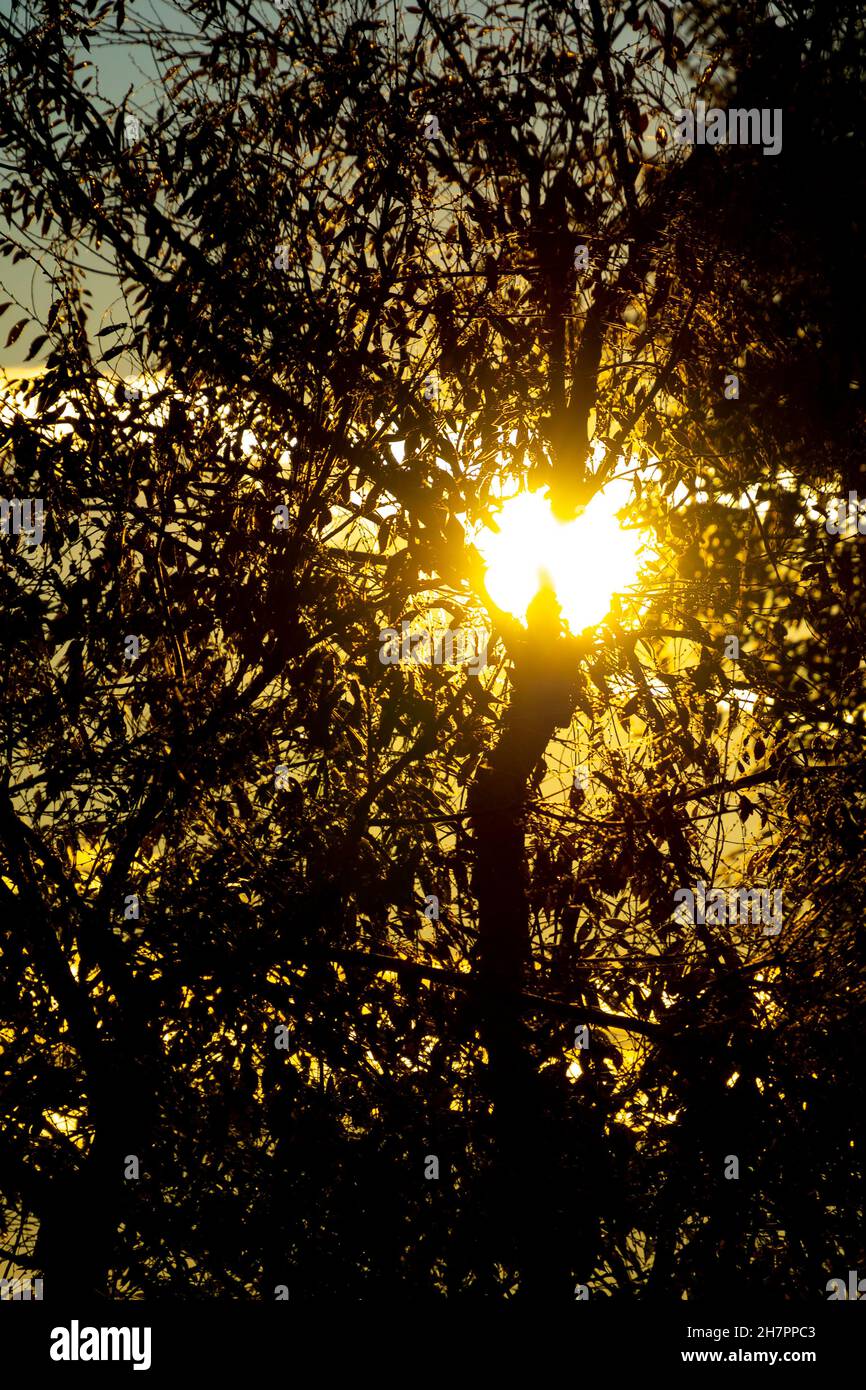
(348, 243)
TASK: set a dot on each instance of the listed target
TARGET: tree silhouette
(369, 260)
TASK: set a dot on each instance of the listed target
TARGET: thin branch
(380, 960)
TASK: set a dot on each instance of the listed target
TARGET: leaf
(16, 331)
(35, 346)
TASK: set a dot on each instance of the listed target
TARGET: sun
(587, 560)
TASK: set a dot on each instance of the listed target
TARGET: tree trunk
(520, 1232)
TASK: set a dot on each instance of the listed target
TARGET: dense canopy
(350, 977)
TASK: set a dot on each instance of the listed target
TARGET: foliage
(300, 379)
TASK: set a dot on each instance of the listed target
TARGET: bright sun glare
(588, 560)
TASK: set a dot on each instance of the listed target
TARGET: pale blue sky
(121, 67)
